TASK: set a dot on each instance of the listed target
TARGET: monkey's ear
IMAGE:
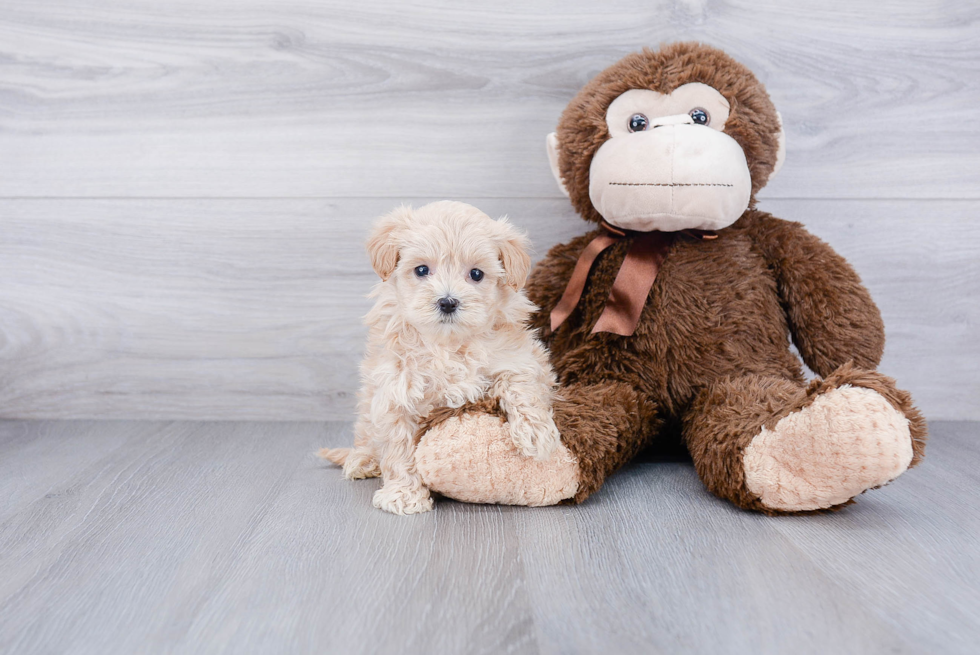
(781, 152)
(383, 243)
(553, 148)
(513, 246)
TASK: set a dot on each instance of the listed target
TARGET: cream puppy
(448, 327)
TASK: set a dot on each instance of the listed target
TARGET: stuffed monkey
(669, 323)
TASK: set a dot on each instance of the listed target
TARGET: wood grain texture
(883, 576)
(250, 309)
(334, 99)
(184, 187)
(230, 537)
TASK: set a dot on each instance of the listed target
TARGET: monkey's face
(667, 164)
(650, 145)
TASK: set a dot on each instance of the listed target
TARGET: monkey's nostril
(447, 305)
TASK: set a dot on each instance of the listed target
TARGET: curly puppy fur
(709, 365)
(448, 328)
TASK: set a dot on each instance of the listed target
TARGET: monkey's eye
(638, 123)
(421, 271)
(699, 116)
(476, 275)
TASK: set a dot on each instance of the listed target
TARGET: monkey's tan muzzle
(673, 176)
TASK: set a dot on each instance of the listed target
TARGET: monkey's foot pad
(848, 440)
(472, 458)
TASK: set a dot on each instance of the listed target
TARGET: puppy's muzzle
(447, 305)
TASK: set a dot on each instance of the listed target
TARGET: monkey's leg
(470, 456)
(770, 444)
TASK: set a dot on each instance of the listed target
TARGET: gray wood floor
(197, 537)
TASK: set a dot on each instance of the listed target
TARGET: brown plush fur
(726, 416)
(752, 121)
(710, 361)
(720, 310)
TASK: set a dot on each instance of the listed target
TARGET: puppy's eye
(421, 271)
(699, 116)
(638, 123)
(476, 275)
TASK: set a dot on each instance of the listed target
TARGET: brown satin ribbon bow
(633, 282)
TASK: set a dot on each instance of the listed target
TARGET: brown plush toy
(670, 323)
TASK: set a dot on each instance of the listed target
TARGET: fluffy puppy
(448, 327)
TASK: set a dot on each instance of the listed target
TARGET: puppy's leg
(403, 491)
(359, 462)
(525, 393)
(532, 426)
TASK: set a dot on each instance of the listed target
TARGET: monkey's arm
(549, 278)
(831, 315)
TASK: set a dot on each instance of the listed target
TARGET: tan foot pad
(472, 458)
(849, 440)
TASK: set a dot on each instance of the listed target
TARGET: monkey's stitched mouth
(665, 184)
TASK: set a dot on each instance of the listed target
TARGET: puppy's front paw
(536, 437)
(403, 500)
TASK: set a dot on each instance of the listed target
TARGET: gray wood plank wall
(185, 187)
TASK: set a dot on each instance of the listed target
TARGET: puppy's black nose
(448, 305)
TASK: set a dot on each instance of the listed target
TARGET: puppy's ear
(513, 246)
(383, 244)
